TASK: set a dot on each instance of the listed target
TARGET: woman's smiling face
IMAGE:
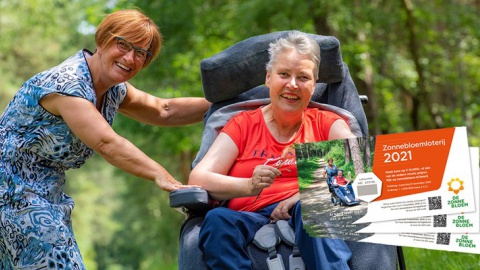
(119, 66)
(291, 81)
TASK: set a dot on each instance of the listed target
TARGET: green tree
(417, 62)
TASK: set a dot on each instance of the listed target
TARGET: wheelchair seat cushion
(266, 237)
(365, 256)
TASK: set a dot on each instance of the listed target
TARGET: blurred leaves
(417, 61)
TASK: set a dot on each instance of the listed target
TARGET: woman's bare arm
(92, 129)
(153, 110)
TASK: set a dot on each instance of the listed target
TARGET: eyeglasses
(125, 46)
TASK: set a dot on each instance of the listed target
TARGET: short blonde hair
(132, 25)
(298, 41)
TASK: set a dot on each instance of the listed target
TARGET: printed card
(448, 241)
(452, 223)
(395, 176)
(460, 242)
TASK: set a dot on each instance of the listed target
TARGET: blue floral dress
(331, 173)
(36, 148)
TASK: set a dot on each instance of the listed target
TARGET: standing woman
(331, 171)
(58, 119)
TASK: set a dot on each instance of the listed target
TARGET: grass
(306, 167)
(425, 259)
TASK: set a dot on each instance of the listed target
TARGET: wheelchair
(341, 198)
(233, 81)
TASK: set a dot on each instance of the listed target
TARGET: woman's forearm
(123, 154)
(184, 111)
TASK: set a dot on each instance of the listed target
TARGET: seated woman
(237, 166)
(345, 186)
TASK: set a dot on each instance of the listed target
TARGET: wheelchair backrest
(241, 67)
(233, 80)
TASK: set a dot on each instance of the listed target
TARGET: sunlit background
(417, 61)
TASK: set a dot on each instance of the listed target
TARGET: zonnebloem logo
(455, 185)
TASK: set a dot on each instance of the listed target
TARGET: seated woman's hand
(281, 212)
(263, 177)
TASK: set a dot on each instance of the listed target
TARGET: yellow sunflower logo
(455, 185)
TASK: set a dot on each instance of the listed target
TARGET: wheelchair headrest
(241, 67)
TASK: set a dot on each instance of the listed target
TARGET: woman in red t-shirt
(252, 165)
(344, 185)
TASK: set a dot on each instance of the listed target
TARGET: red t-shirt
(341, 180)
(256, 144)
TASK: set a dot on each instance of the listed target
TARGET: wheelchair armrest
(191, 201)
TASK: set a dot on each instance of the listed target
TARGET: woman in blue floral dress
(330, 171)
(58, 119)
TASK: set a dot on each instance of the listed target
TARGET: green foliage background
(417, 61)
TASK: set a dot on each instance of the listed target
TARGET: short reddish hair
(132, 25)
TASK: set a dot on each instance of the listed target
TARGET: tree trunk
(421, 97)
(346, 150)
(365, 145)
(356, 156)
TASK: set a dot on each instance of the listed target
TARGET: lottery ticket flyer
(423, 172)
(452, 223)
(459, 242)
(414, 174)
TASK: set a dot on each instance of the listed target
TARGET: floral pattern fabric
(36, 148)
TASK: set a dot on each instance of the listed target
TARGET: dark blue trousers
(225, 234)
